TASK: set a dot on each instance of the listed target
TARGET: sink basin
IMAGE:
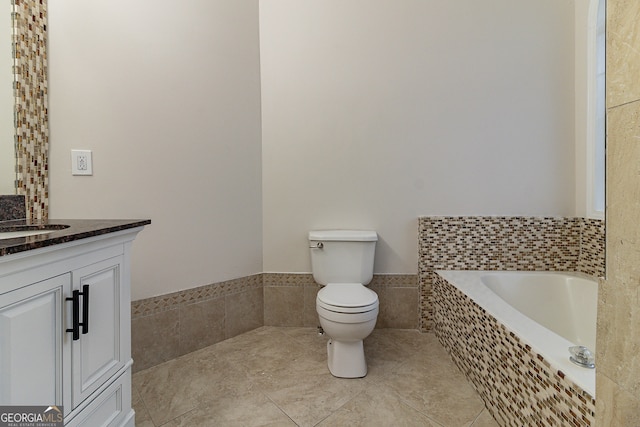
(17, 231)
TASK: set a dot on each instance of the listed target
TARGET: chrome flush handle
(318, 245)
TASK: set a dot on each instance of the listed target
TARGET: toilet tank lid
(344, 235)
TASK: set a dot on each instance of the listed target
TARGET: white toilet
(342, 261)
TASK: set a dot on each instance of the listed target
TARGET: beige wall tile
(615, 406)
(623, 190)
(310, 315)
(618, 319)
(283, 305)
(201, 324)
(398, 308)
(623, 55)
(619, 298)
(243, 312)
(155, 339)
(618, 376)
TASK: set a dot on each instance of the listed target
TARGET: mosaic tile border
(288, 279)
(154, 305)
(306, 279)
(31, 105)
(517, 385)
(504, 243)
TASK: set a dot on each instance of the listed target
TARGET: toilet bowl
(342, 261)
(347, 313)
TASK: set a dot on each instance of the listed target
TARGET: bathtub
(549, 311)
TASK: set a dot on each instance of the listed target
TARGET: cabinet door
(31, 343)
(98, 354)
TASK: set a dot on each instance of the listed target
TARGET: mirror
(7, 130)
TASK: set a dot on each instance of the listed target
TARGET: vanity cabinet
(99, 350)
(65, 329)
(31, 342)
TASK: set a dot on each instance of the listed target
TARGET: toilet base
(346, 359)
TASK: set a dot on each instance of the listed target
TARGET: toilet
(342, 261)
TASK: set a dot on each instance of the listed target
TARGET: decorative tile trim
(288, 279)
(504, 243)
(31, 105)
(306, 279)
(149, 306)
(518, 386)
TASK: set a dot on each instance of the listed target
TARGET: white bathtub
(550, 311)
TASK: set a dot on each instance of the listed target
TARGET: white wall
(375, 112)
(167, 95)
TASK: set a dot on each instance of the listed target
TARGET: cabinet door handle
(85, 309)
(75, 317)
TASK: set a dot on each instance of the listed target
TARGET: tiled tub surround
(518, 386)
(505, 243)
(175, 324)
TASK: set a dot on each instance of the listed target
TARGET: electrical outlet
(81, 162)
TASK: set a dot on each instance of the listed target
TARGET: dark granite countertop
(78, 229)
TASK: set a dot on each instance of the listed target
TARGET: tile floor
(275, 376)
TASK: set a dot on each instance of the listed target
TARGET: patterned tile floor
(275, 376)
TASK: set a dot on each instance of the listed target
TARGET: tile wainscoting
(171, 325)
(505, 243)
(175, 324)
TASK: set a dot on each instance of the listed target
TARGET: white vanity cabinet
(65, 329)
(32, 341)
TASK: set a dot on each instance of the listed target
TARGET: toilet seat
(347, 298)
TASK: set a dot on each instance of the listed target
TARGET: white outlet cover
(81, 162)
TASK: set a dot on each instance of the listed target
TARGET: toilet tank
(342, 256)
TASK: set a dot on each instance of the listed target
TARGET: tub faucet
(582, 356)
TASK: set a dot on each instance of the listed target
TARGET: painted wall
(167, 95)
(375, 112)
(618, 335)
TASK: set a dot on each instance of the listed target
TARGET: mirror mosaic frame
(31, 105)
